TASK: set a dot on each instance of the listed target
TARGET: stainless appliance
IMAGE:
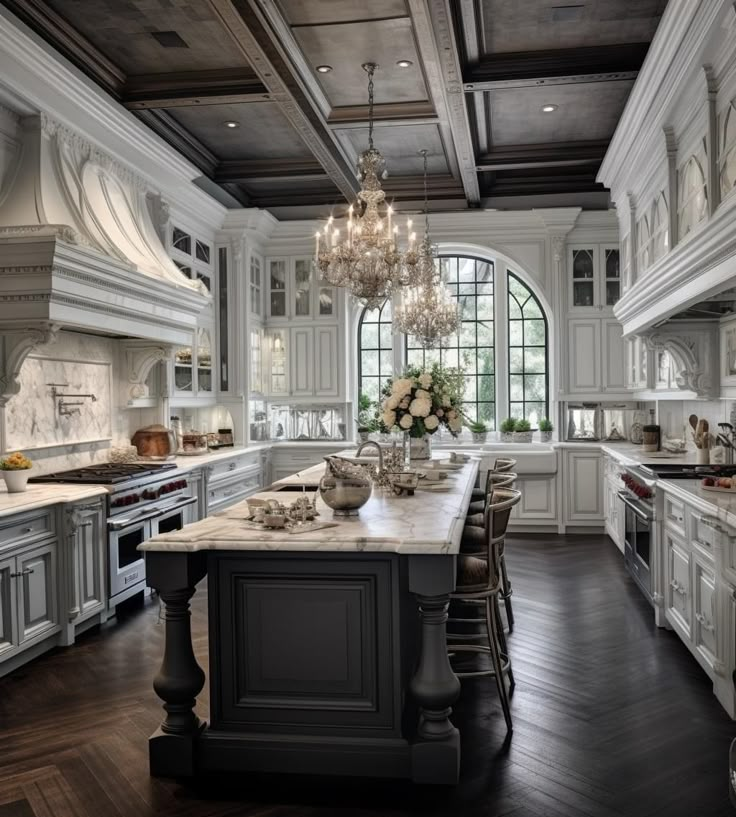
(583, 421)
(144, 500)
(640, 530)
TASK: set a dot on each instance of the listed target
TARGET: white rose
(425, 379)
(388, 418)
(431, 422)
(419, 407)
(406, 421)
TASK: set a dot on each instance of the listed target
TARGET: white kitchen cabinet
(302, 363)
(8, 608)
(277, 276)
(277, 379)
(594, 277)
(326, 362)
(583, 488)
(192, 373)
(232, 479)
(704, 626)
(584, 355)
(595, 356)
(678, 602)
(639, 364)
(538, 503)
(36, 577)
(728, 356)
(615, 519)
(85, 564)
(295, 293)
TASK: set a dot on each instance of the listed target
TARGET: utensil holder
(703, 456)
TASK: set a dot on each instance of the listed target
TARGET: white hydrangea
(392, 402)
(431, 422)
(422, 394)
(406, 421)
(388, 418)
(425, 380)
(445, 401)
(456, 425)
(420, 407)
(401, 386)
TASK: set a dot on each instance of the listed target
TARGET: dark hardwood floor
(611, 715)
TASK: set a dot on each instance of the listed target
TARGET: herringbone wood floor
(612, 717)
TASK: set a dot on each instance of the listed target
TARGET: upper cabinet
(192, 368)
(294, 293)
(255, 284)
(594, 275)
(194, 256)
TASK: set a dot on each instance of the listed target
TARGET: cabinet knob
(704, 623)
(27, 530)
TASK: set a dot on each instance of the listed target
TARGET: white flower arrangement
(420, 401)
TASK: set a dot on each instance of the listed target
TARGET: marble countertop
(715, 504)
(630, 454)
(40, 496)
(430, 522)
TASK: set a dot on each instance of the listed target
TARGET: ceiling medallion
(367, 262)
(427, 311)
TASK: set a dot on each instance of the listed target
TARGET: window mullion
(501, 332)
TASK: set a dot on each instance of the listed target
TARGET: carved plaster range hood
(694, 349)
(78, 249)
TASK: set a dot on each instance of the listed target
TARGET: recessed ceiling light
(231, 124)
(405, 63)
(549, 108)
(324, 69)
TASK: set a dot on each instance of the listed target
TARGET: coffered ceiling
(479, 75)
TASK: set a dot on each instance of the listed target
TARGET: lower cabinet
(538, 503)
(704, 627)
(29, 608)
(583, 474)
(615, 518)
(677, 596)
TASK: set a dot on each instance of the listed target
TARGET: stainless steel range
(144, 500)
(640, 528)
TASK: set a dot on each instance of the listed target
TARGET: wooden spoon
(693, 419)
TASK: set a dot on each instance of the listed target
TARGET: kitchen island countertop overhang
(327, 649)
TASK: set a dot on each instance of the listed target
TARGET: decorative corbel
(140, 358)
(691, 374)
(15, 346)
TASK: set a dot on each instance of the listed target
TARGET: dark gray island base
(326, 663)
(327, 647)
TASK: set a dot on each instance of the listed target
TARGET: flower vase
(420, 448)
(16, 481)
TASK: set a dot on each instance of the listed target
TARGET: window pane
(369, 363)
(534, 361)
(535, 333)
(516, 386)
(516, 333)
(376, 355)
(385, 335)
(369, 338)
(516, 361)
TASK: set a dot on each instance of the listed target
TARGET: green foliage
(477, 427)
(508, 425)
(546, 425)
(522, 425)
(368, 419)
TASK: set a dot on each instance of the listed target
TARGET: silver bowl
(345, 496)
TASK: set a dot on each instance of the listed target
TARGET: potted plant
(478, 430)
(523, 431)
(16, 469)
(421, 401)
(367, 422)
(545, 430)
(508, 426)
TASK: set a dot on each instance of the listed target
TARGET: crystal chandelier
(367, 262)
(427, 310)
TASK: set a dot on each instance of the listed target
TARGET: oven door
(638, 529)
(127, 566)
(174, 517)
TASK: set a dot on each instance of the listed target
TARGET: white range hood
(78, 248)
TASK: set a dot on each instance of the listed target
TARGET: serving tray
(718, 490)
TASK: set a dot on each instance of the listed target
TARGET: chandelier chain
(370, 68)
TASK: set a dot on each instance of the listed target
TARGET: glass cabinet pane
(302, 287)
(222, 279)
(582, 264)
(183, 369)
(326, 301)
(278, 363)
(256, 361)
(582, 293)
(613, 276)
(204, 361)
(277, 285)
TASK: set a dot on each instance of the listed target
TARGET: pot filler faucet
(65, 407)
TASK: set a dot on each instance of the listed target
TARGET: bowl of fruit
(718, 484)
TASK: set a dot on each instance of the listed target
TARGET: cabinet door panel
(584, 355)
(90, 564)
(8, 607)
(302, 361)
(678, 585)
(538, 498)
(704, 625)
(37, 592)
(584, 483)
(326, 362)
(614, 378)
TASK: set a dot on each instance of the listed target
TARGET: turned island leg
(180, 679)
(435, 687)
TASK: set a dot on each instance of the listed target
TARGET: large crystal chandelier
(367, 261)
(427, 310)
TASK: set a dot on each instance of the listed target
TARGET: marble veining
(40, 496)
(429, 523)
(717, 505)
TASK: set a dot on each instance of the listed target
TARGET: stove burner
(106, 473)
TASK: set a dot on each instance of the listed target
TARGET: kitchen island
(327, 648)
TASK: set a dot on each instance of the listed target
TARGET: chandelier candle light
(427, 310)
(367, 261)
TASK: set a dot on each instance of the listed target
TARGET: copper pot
(155, 441)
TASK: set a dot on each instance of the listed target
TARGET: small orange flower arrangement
(15, 462)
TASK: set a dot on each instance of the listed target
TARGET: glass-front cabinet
(594, 273)
(295, 292)
(204, 361)
(192, 367)
(183, 370)
(278, 383)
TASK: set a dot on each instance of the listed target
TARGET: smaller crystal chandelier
(367, 262)
(427, 310)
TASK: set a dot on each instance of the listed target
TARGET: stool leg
(506, 595)
(502, 643)
(495, 653)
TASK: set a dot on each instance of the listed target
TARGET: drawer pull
(27, 530)
(674, 518)
(232, 466)
(230, 493)
(704, 623)
(677, 587)
(25, 572)
(87, 524)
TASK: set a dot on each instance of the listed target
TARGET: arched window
(527, 359)
(375, 355)
(501, 345)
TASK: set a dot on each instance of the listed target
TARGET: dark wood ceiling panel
(400, 146)
(584, 112)
(531, 25)
(318, 12)
(174, 90)
(347, 46)
(122, 30)
(264, 132)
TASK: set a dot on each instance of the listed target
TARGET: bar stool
(500, 466)
(477, 509)
(479, 579)
(473, 542)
